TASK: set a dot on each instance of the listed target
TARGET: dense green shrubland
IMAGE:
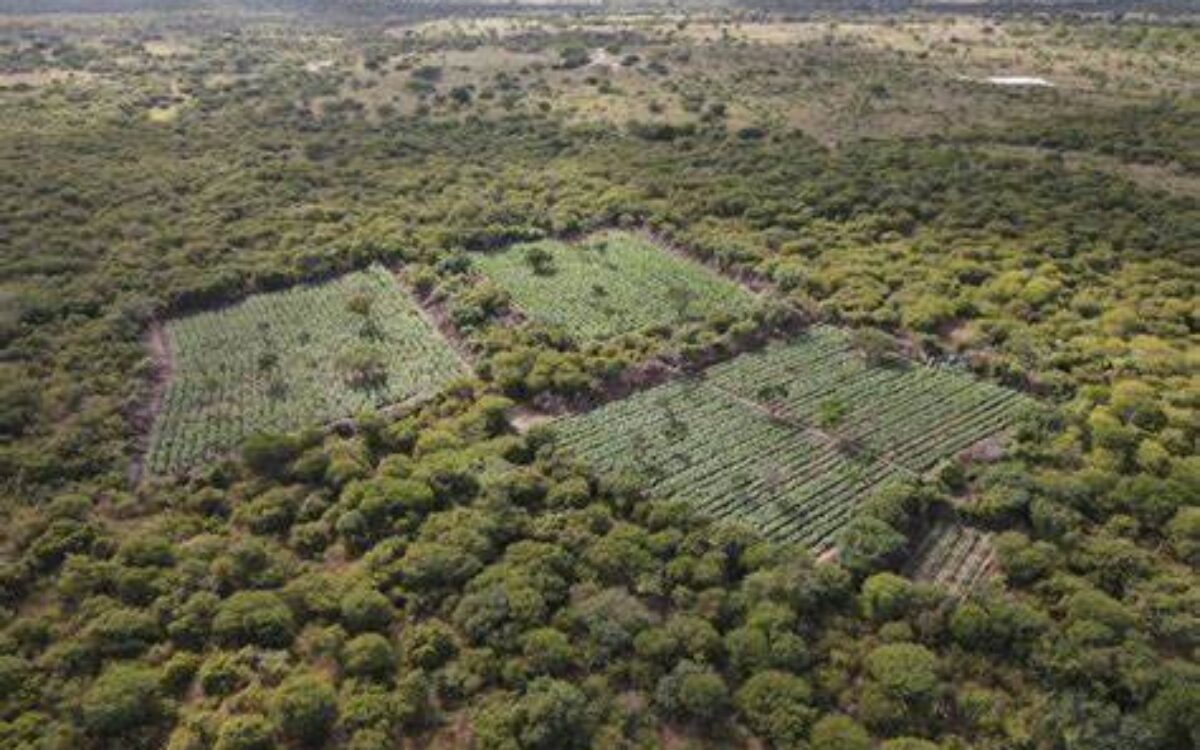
(439, 577)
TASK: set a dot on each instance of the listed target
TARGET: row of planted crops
(787, 439)
(614, 283)
(955, 556)
(286, 360)
(754, 440)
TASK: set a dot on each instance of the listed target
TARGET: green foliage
(777, 706)
(905, 670)
(610, 285)
(366, 609)
(223, 674)
(429, 644)
(908, 743)
(886, 596)
(550, 715)
(124, 698)
(123, 632)
(538, 602)
(305, 708)
(258, 618)
(549, 651)
(867, 545)
(269, 455)
(680, 436)
(1184, 532)
(245, 732)
(839, 732)
(219, 375)
(693, 692)
(369, 655)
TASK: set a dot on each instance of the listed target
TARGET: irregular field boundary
(752, 286)
(955, 556)
(437, 317)
(146, 415)
(657, 369)
(147, 421)
(882, 465)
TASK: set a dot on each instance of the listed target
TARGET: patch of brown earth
(434, 311)
(525, 418)
(161, 370)
(986, 451)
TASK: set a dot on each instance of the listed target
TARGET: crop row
(914, 415)
(955, 556)
(693, 442)
(616, 283)
(752, 440)
(287, 359)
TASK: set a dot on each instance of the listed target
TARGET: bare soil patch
(434, 312)
(162, 369)
(525, 418)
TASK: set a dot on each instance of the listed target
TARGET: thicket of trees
(438, 576)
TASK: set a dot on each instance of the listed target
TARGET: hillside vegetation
(307, 563)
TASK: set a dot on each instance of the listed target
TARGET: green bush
(868, 545)
(179, 671)
(886, 596)
(270, 455)
(429, 644)
(123, 632)
(905, 670)
(369, 655)
(366, 609)
(838, 732)
(249, 732)
(123, 698)
(305, 708)
(223, 674)
(776, 705)
(548, 651)
(693, 692)
(908, 743)
(258, 618)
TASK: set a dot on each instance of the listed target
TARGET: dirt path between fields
(434, 313)
(162, 360)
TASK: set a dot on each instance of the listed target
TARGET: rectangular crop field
(789, 439)
(612, 284)
(285, 360)
(910, 415)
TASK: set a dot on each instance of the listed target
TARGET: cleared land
(789, 439)
(284, 360)
(910, 415)
(954, 556)
(611, 284)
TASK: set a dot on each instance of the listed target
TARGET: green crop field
(913, 416)
(955, 556)
(788, 439)
(284, 360)
(613, 283)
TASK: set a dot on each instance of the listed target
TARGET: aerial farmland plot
(285, 360)
(955, 556)
(789, 439)
(610, 284)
